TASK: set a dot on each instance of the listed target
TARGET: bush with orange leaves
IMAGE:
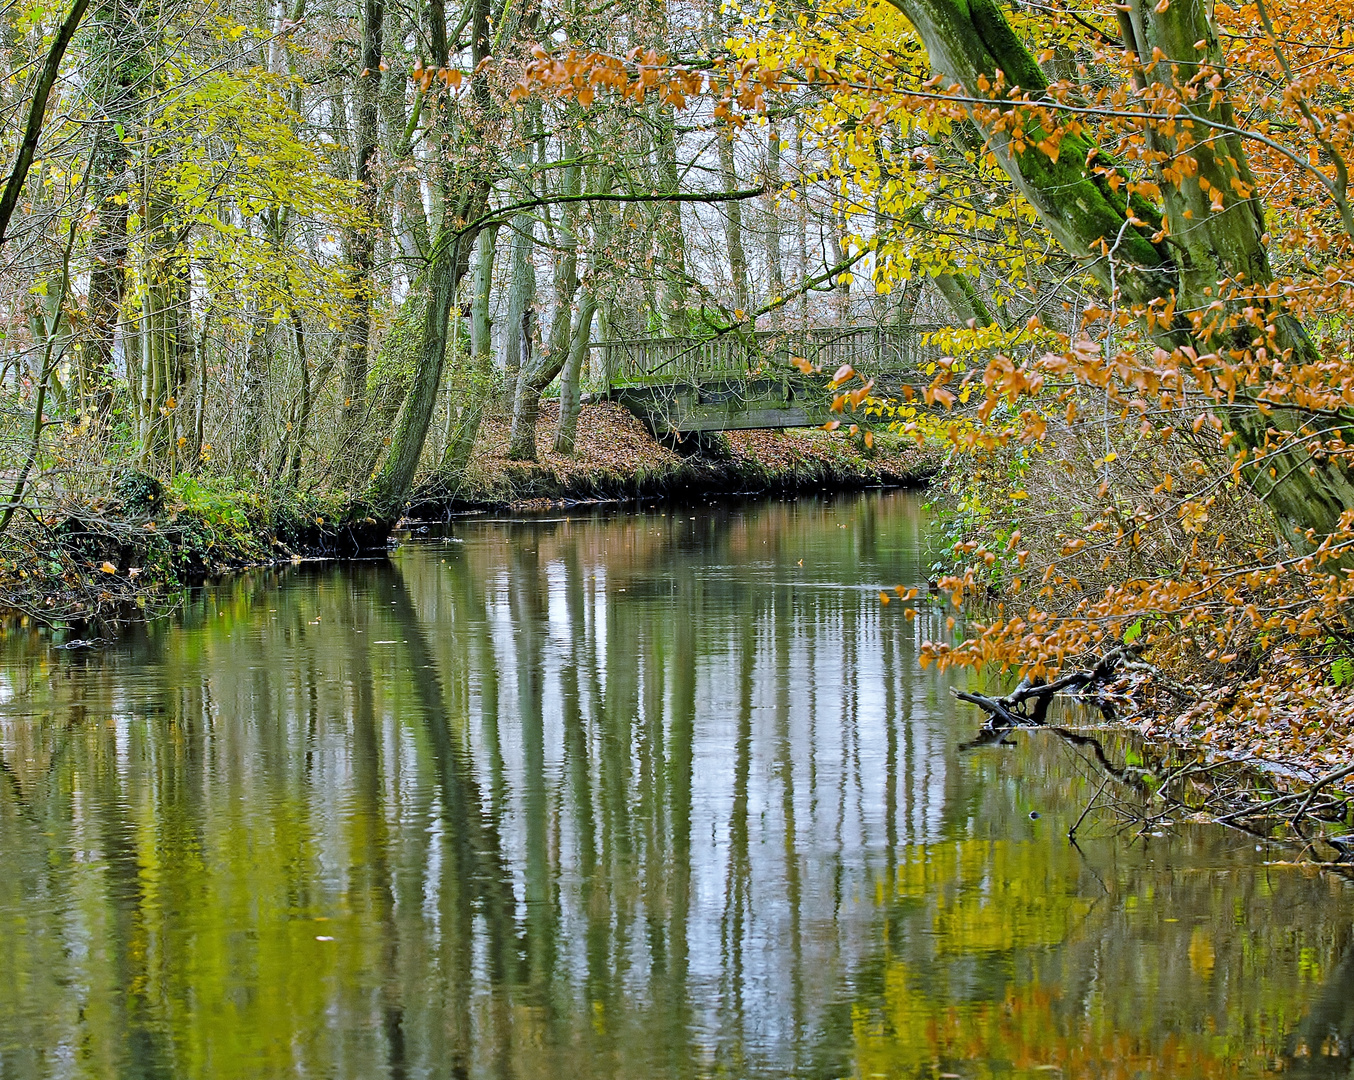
(1186, 443)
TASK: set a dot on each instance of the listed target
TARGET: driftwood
(1307, 796)
(1027, 705)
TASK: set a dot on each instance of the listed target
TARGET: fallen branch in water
(1028, 703)
(1027, 706)
(1266, 809)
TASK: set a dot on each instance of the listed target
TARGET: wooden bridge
(739, 381)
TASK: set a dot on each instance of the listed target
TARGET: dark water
(630, 795)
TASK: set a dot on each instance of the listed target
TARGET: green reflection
(622, 795)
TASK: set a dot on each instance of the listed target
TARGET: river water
(630, 794)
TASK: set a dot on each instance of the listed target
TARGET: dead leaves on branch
(1181, 551)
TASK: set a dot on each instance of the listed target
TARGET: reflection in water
(633, 795)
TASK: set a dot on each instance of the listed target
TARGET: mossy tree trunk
(164, 346)
(521, 295)
(964, 299)
(119, 71)
(361, 242)
(481, 384)
(522, 283)
(671, 238)
(570, 399)
(775, 264)
(532, 381)
(1147, 255)
(733, 230)
(570, 381)
(465, 194)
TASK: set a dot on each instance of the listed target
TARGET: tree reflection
(632, 795)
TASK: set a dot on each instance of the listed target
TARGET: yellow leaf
(109, 568)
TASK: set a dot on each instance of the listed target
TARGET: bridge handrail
(735, 352)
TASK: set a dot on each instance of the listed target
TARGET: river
(655, 794)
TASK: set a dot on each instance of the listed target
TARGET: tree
(464, 185)
(1132, 158)
(1170, 260)
(361, 238)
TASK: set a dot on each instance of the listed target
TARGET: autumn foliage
(1173, 429)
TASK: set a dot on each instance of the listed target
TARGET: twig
(1284, 800)
(1072, 832)
(1329, 778)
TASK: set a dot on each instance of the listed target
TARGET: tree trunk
(774, 263)
(970, 42)
(566, 429)
(570, 383)
(294, 445)
(361, 243)
(733, 230)
(521, 295)
(962, 296)
(465, 195)
(481, 326)
(841, 284)
(37, 112)
(118, 57)
(450, 261)
(249, 459)
(671, 239)
(531, 382)
(802, 227)
(481, 385)
(163, 348)
(522, 286)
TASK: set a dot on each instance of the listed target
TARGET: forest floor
(616, 458)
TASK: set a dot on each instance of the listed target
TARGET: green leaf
(1133, 633)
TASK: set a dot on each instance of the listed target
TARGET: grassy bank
(125, 556)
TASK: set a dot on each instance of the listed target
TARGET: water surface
(642, 795)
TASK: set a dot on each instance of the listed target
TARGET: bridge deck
(738, 382)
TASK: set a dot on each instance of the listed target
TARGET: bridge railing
(869, 348)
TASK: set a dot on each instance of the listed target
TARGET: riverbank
(617, 459)
(1062, 559)
(126, 557)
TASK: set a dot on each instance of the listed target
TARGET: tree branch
(36, 112)
(503, 213)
